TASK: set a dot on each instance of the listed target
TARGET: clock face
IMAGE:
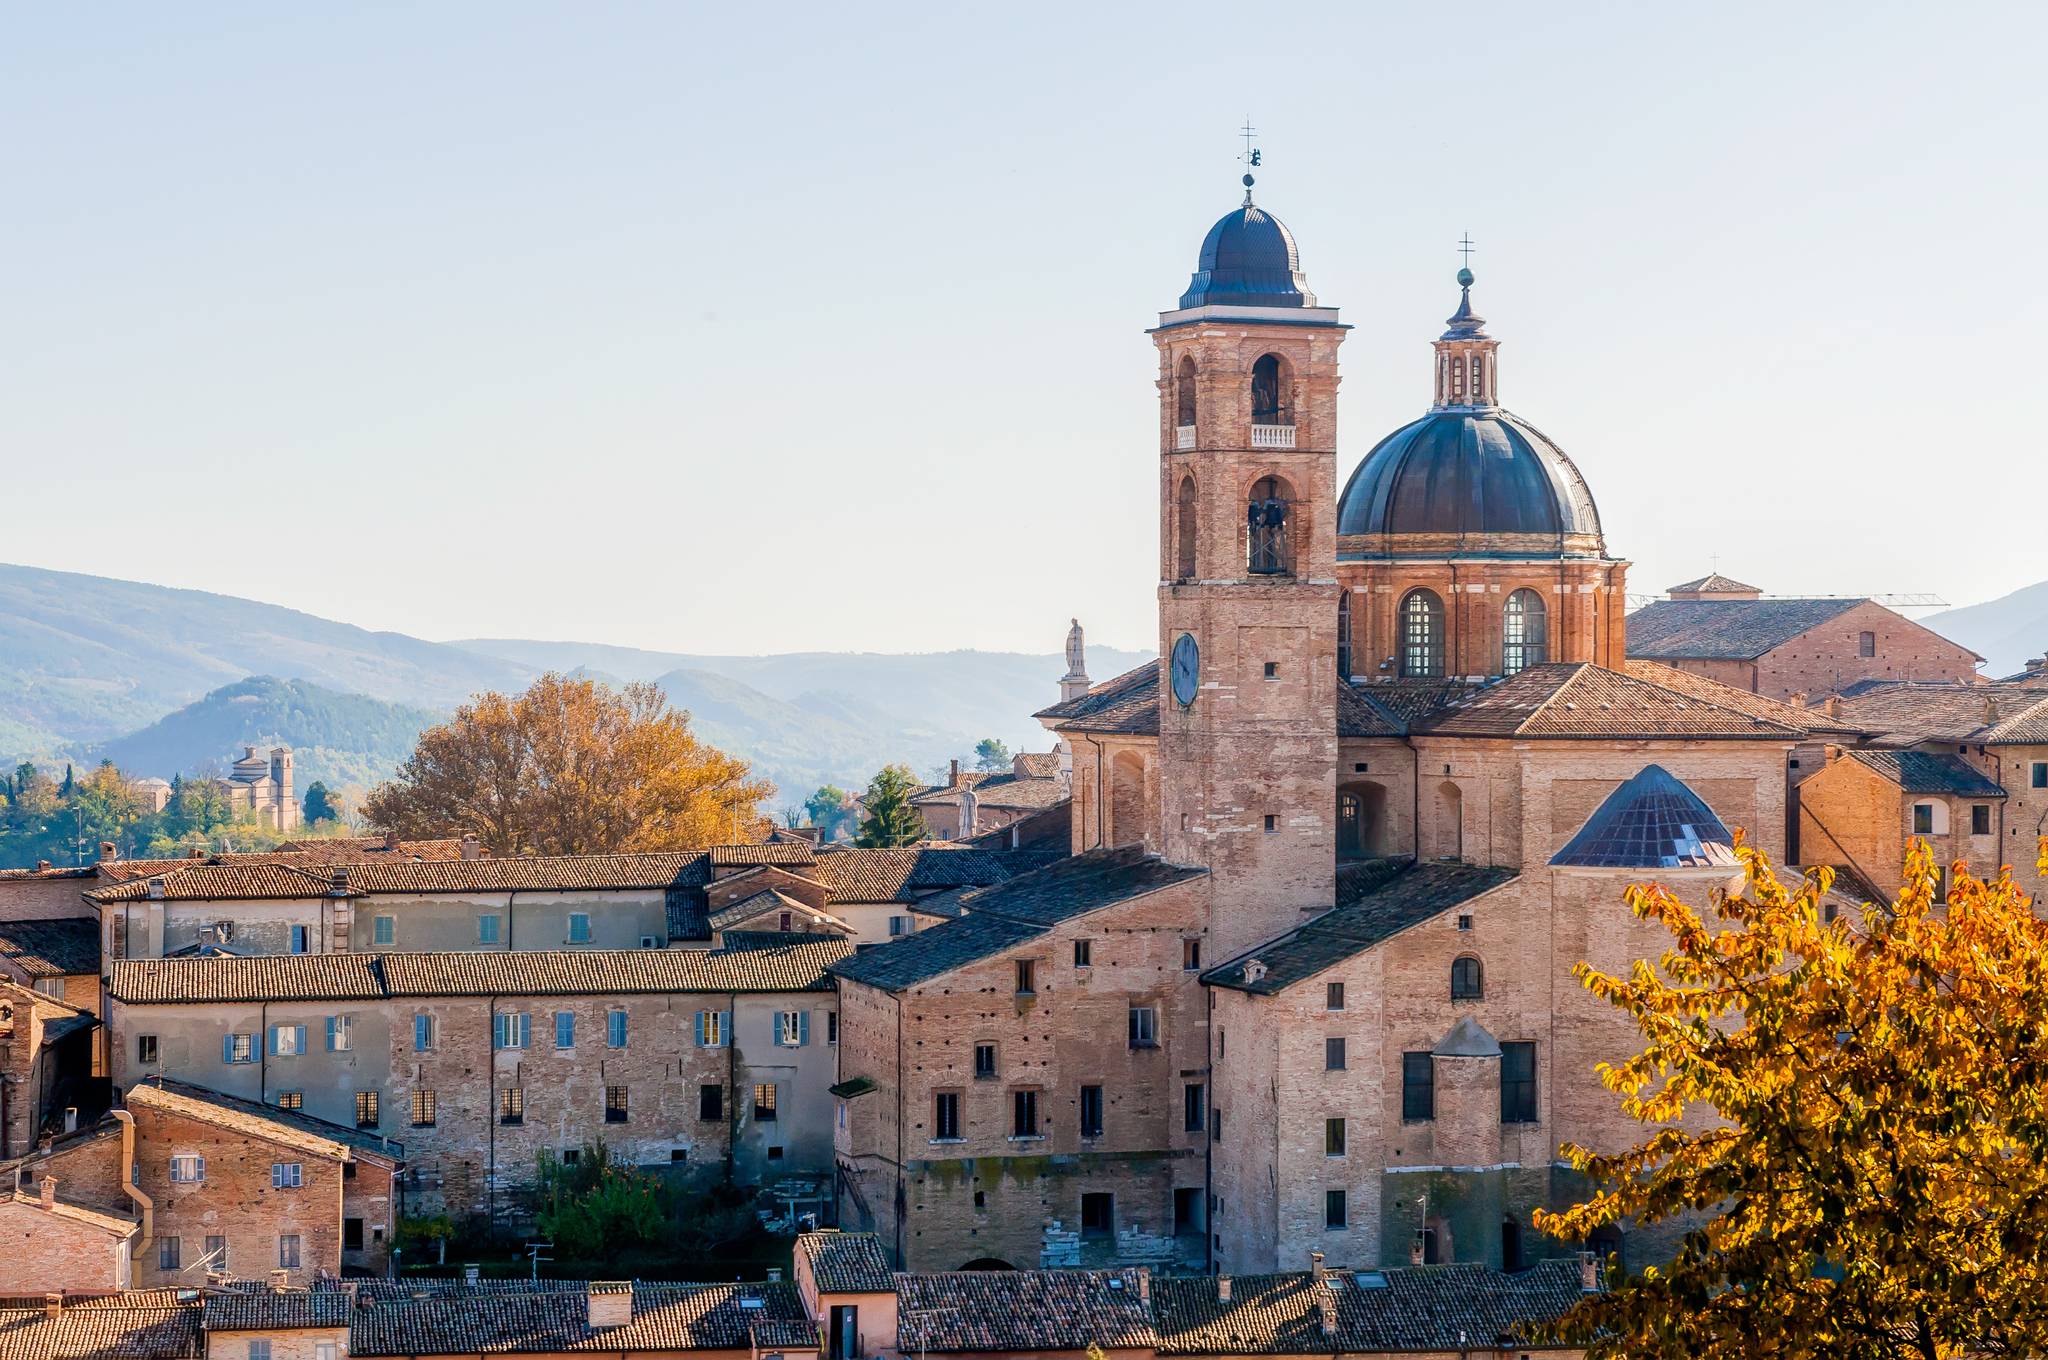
(1187, 668)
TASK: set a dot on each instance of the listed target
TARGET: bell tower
(1247, 581)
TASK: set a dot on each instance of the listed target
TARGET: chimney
(472, 848)
(1144, 1284)
(1799, 698)
(107, 851)
(1223, 1289)
(41, 865)
(1990, 709)
(391, 840)
(1831, 753)
(953, 777)
(71, 1119)
(1415, 1250)
(53, 1305)
(1589, 1273)
(280, 1280)
(156, 889)
(1315, 1264)
(47, 1188)
(337, 880)
(1833, 706)
(611, 1304)
(1326, 1312)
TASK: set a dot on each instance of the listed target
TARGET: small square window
(614, 1104)
(287, 1175)
(1464, 921)
(1144, 1028)
(579, 927)
(1272, 670)
(1083, 953)
(291, 1100)
(1272, 823)
(1098, 1214)
(1923, 819)
(487, 929)
(1333, 996)
(1358, 768)
(168, 1253)
(1336, 1213)
(1980, 819)
(1027, 977)
(1190, 955)
(384, 930)
(145, 1048)
(259, 1350)
(512, 1105)
(288, 1252)
(2040, 774)
(984, 1060)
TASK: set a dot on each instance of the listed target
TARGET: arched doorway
(1126, 799)
(1361, 821)
(1450, 821)
(988, 1263)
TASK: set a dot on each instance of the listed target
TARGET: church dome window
(1422, 635)
(1524, 632)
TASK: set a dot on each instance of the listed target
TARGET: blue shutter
(803, 1028)
(227, 1048)
(330, 1034)
(700, 1029)
(299, 1038)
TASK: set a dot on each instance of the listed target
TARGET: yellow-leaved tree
(1875, 1181)
(571, 767)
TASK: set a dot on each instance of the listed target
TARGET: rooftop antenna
(1250, 157)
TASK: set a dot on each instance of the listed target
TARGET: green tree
(831, 809)
(321, 805)
(990, 753)
(1866, 1170)
(891, 820)
(598, 1210)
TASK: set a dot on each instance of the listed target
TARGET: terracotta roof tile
(855, 874)
(66, 947)
(1920, 772)
(115, 1329)
(1022, 1310)
(277, 1310)
(1808, 720)
(665, 1317)
(1128, 703)
(357, 1140)
(1728, 630)
(187, 1102)
(846, 1262)
(1575, 699)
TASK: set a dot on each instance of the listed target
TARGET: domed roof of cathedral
(1248, 260)
(1468, 472)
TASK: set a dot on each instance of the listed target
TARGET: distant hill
(86, 659)
(2007, 632)
(341, 739)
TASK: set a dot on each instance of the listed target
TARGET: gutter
(142, 1201)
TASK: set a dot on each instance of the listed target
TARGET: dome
(1248, 260)
(1470, 472)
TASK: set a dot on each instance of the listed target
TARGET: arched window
(1350, 825)
(1422, 635)
(1184, 393)
(1467, 981)
(1268, 550)
(1272, 401)
(1184, 530)
(1478, 381)
(1524, 633)
(1344, 636)
(1866, 644)
(1510, 1245)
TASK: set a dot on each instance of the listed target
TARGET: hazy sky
(751, 328)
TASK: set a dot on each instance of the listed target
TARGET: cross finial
(1465, 247)
(1250, 157)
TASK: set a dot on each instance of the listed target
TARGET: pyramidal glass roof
(1652, 822)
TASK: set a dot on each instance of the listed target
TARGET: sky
(760, 329)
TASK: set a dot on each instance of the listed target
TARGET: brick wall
(41, 1250)
(1827, 659)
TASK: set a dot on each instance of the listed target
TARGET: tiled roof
(66, 947)
(759, 904)
(797, 965)
(367, 849)
(1904, 711)
(201, 880)
(897, 875)
(666, 1317)
(1038, 764)
(265, 1121)
(267, 1310)
(1453, 1308)
(1727, 630)
(1358, 715)
(49, 872)
(1128, 704)
(114, 1225)
(1920, 772)
(197, 880)
(187, 1102)
(846, 1262)
(1022, 1310)
(1808, 720)
(792, 854)
(2026, 727)
(1653, 821)
(1012, 791)
(1576, 699)
(152, 1327)
(1409, 898)
(950, 793)
(1713, 583)
(997, 918)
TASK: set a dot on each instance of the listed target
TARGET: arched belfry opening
(1269, 542)
(1184, 520)
(1272, 391)
(1184, 393)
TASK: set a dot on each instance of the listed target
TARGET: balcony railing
(1184, 437)
(1272, 436)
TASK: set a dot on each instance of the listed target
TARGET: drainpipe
(6, 1117)
(1209, 1143)
(508, 919)
(263, 1054)
(897, 1203)
(1415, 794)
(491, 1106)
(142, 1201)
(732, 1082)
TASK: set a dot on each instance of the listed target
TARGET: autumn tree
(1873, 1179)
(571, 767)
(891, 820)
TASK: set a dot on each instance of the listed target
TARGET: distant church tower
(1247, 582)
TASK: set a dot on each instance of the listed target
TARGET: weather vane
(1250, 157)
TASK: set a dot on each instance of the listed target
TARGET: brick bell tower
(1247, 581)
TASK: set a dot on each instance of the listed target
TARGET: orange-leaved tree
(1874, 1181)
(571, 767)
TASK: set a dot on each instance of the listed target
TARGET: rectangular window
(1518, 1083)
(1923, 819)
(984, 1061)
(1190, 955)
(831, 1027)
(946, 1114)
(1333, 997)
(384, 930)
(291, 1100)
(614, 1104)
(367, 1103)
(792, 1029)
(1333, 1138)
(287, 1041)
(288, 1252)
(1191, 1101)
(711, 1029)
(764, 1102)
(169, 1253)
(711, 1102)
(217, 1253)
(512, 1104)
(1027, 976)
(2039, 778)
(422, 1033)
(615, 1029)
(423, 1107)
(298, 939)
(325, 1350)
(1418, 1086)
(238, 1048)
(145, 1048)
(1024, 1114)
(1272, 823)
(1980, 819)
(512, 1030)
(1336, 1213)
(579, 927)
(287, 1175)
(259, 1350)
(899, 925)
(337, 1033)
(1866, 644)
(487, 928)
(1091, 1111)
(187, 1169)
(1333, 1054)
(565, 1029)
(1144, 1027)
(1098, 1214)
(1083, 953)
